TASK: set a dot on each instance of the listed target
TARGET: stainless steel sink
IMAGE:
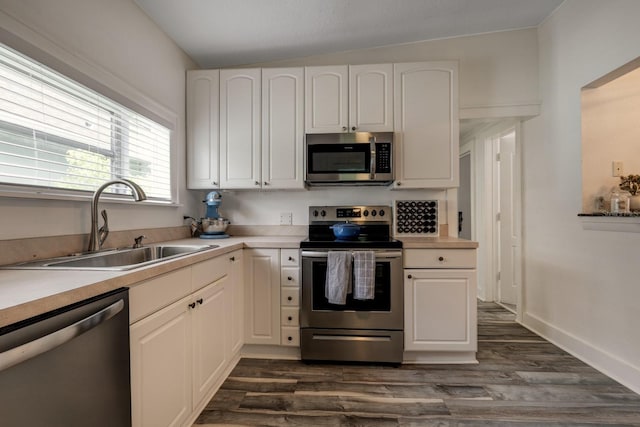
(116, 259)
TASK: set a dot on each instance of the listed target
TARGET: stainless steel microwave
(360, 158)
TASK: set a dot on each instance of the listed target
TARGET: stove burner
(374, 221)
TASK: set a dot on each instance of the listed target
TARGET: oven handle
(319, 254)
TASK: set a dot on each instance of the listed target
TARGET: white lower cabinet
(440, 300)
(211, 326)
(262, 296)
(161, 367)
(181, 353)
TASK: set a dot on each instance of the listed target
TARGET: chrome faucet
(97, 237)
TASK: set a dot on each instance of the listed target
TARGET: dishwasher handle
(55, 339)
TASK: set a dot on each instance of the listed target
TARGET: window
(57, 134)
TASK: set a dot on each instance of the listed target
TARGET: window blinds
(58, 134)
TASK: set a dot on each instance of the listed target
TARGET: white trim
(620, 370)
(611, 223)
(43, 48)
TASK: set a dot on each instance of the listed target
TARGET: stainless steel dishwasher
(68, 367)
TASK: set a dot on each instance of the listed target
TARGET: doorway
(494, 220)
(507, 221)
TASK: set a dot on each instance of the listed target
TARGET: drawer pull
(192, 305)
(409, 276)
(289, 318)
(290, 338)
(232, 259)
(200, 301)
(441, 258)
(289, 278)
(289, 299)
(290, 258)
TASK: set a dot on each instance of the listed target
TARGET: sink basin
(117, 259)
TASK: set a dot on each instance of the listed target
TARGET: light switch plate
(617, 169)
(286, 218)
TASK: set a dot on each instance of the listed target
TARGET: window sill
(611, 222)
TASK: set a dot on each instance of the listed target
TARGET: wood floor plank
(521, 380)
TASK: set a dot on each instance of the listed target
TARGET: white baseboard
(260, 351)
(620, 370)
(439, 357)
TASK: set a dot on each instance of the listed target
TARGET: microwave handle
(372, 166)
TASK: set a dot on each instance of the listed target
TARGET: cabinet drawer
(209, 271)
(439, 258)
(289, 316)
(290, 277)
(289, 297)
(290, 336)
(289, 258)
(152, 295)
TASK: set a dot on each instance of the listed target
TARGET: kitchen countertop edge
(24, 293)
(436, 243)
(28, 293)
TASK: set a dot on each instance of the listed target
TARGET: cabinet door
(426, 125)
(440, 310)
(262, 296)
(282, 128)
(371, 98)
(326, 99)
(236, 294)
(203, 143)
(210, 331)
(240, 159)
(161, 367)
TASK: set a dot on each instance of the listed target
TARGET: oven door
(385, 311)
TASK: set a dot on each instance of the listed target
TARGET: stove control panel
(350, 213)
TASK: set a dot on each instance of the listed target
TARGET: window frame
(112, 87)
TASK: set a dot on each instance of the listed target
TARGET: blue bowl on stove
(346, 231)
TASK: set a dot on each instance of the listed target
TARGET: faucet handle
(138, 241)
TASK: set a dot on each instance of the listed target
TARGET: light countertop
(27, 293)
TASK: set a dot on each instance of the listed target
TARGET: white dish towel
(338, 282)
(364, 271)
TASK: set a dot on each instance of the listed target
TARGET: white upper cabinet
(326, 99)
(371, 98)
(240, 134)
(426, 125)
(349, 98)
(203, 143)
(282, 128)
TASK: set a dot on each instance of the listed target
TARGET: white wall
(581, 287)
(115, 44)
(610, 132)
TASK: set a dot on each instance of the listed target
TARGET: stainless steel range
(368, 329)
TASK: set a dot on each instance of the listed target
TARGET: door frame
(484, 209)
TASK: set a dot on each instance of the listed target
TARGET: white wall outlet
(286, 218)
(617, 169)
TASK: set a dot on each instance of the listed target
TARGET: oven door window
(338, 158)
(380, 302)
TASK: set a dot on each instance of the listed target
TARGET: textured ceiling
(224, 33)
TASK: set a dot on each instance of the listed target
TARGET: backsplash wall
(265, 207)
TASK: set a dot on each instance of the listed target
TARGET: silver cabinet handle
(55, 339)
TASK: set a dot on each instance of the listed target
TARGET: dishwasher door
(68, 367)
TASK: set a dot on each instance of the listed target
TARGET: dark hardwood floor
(521, 380)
